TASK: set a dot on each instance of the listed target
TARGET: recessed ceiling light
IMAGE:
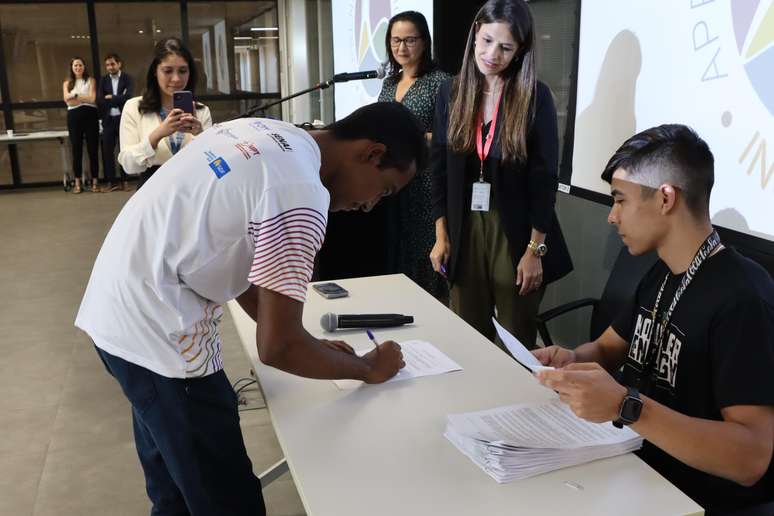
(140, 31)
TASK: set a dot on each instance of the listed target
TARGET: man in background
(115, 88)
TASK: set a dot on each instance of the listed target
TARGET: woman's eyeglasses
(410, 41)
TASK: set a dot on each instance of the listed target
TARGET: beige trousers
(485, 282)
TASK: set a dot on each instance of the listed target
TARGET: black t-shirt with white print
(718, 352)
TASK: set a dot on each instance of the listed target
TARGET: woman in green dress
(413, 80)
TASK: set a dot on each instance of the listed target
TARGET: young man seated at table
(697, 340)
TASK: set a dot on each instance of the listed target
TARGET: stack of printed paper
(521, 441)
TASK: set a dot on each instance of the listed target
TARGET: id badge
(480, 199)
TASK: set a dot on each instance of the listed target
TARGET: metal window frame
(8, 106)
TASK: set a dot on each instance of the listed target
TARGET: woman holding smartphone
(152, 128)
(79, 92)
(494, 161)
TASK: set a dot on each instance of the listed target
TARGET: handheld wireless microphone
(332, 322)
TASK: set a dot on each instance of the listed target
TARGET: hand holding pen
(439, 255)
(373, 339)
(385, 360)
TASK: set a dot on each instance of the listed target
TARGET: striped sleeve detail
(285, 247)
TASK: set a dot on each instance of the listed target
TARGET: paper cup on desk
(9, 132)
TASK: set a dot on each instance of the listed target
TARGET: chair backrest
(621, 286)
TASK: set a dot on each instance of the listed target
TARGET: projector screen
(708, 64)
(359, 27)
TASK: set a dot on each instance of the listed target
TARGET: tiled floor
(66, 446)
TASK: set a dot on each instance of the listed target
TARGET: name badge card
(480, 199)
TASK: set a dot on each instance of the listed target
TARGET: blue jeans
(189, 442)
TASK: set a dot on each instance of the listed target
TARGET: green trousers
(485, 282)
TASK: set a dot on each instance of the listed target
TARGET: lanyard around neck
(660, 323)
(482, 148)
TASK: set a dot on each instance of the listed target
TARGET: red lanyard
(483, 147)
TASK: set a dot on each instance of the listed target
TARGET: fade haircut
(668, 154)
(391, 124)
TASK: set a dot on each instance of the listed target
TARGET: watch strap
(632, 396)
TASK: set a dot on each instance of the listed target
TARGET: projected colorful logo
(754, 30)
(371, 20)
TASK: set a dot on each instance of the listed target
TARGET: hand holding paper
(588, 389)
(555, 356)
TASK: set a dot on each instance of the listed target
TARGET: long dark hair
(151, 97)
(426, 64)
(519, 82)
(71, 75)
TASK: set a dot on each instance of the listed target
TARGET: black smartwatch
(631, 408)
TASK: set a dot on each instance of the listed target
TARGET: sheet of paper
(517, 349)
(422, 359)
(545, 425)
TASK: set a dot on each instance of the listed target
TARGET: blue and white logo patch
(217, 164)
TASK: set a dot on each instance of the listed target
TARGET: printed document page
(422, 359)
(517, 349)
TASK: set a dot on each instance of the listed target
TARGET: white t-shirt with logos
(241, 204)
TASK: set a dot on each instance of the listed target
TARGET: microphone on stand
(333, 322)
(359, 76)
(379, 73)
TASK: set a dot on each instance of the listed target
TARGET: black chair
(621, 285)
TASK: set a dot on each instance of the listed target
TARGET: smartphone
(183, 100)
(330, 290)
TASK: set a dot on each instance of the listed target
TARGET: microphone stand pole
(264, 107)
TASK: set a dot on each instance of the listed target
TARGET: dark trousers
(83, 122)
(189, 442)
(110, 140)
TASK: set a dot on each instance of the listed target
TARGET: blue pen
(373, 339)
(443, 269)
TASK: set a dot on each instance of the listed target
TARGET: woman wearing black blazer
(494, 164)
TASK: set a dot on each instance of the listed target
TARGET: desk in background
(37, 136)
(380, 449)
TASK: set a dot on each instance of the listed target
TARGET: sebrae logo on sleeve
(217, 164)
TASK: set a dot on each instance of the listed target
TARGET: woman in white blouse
(79, 93)
(151, 130)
